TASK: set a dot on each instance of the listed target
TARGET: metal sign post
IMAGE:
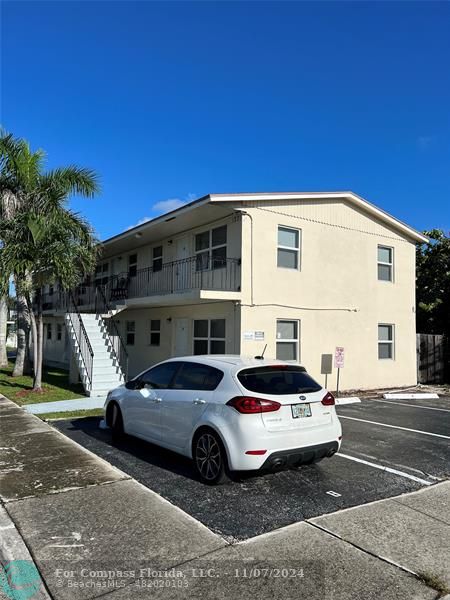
(326, 366)
(338, 364)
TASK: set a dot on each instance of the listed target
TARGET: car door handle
(157, 400)
(199, 401)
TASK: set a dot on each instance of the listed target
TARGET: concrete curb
(13, 548)
(421, 396)
(351, 400)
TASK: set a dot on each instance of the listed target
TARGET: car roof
(231, 360)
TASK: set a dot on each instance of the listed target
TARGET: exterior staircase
(96, 352)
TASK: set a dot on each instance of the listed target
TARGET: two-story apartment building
(229, 273)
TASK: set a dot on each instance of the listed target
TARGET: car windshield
(278, 380)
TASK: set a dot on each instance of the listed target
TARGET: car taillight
(328, 399)
(248, 405)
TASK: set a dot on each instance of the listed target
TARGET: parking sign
(339, 357)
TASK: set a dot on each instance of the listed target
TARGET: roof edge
(357, 200)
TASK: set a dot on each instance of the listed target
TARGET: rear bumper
(299, 456)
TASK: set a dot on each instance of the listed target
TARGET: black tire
(210, 458)
(116, 422)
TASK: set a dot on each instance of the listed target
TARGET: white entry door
(181, 342)
(182, 272)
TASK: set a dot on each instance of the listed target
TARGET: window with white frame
(288, 250)
(211, 249)
(59, 331)
(155, 332)
(130, 331)
(209, 336)
(385, 263)
(288, 340)
(385, 341)
(157, 258)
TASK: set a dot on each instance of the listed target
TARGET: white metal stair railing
(106, 372)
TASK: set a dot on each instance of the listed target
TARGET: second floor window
(101, 274)
(211, 249)
(132, 265)
(288, 255)
(385, 263)
(157, 260)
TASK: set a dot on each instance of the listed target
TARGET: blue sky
(173, 100)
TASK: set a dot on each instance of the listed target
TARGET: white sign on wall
(254, 335)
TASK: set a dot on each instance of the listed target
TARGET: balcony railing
(194, 273)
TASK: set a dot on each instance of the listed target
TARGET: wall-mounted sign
(253, 335)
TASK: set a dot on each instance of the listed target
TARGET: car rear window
(278, 380)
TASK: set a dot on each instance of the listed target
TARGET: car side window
(160, 377)
(195, 376)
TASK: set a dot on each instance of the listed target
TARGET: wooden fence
(430, 358)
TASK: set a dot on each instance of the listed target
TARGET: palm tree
(39, 235)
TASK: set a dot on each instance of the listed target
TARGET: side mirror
(134, 384)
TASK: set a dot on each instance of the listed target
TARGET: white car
(228, 413)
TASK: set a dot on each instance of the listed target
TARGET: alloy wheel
(208, 457)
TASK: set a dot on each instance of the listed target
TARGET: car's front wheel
(210, 458)
(116, 422)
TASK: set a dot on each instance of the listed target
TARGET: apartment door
(181, 345)
(182, 279)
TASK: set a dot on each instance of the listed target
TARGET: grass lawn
(92, 412)
(55, 386)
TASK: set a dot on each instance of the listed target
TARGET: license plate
(301, 410)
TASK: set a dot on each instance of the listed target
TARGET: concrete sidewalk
(92, 531)
(66, 405)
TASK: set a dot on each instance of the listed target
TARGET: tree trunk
(35, 340)
(38, 348)
(3, 330)
(22, 365)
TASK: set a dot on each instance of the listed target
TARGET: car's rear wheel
(210, 458)
(116, 422)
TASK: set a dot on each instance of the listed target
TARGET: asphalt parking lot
(389, 448)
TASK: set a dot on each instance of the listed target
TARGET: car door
(144, 403)
(189, 395)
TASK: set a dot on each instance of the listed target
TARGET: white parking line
(409, 405)
(383, 468)
(439, 435)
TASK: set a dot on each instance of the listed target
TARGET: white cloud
(166, 206)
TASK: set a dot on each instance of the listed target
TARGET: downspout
(245, 213)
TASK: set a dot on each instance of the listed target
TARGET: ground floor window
(288, 340)
(209, 336)
(155, 332)
(131, 329)
(49, 331)
(385, 341)
(59, 331)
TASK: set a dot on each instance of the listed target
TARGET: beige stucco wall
(143, 355)
(335, 295)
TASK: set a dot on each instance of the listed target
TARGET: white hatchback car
(228, 413)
